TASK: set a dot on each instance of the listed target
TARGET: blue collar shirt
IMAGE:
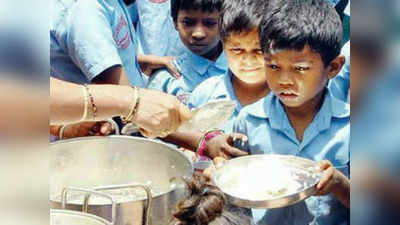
(89, 36)
(327, 137)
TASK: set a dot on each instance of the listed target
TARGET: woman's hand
(159, 114)
(84, 129)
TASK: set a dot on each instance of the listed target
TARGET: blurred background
(375, 119)
(24, 95)
(375, 101)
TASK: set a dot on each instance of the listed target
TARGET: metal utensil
(69, 217)
(211, 115)
(106, 162)
(245, 180)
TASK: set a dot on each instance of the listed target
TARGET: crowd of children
(280, 60)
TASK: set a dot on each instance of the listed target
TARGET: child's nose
(248, 60)
(285, 79)
(198, 33)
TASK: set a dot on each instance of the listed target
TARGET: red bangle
(207, 136)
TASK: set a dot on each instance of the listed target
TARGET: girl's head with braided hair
(207, 205)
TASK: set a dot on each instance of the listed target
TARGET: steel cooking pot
(123, 163)
(69, 217)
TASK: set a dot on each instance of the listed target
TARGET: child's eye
(210, 23)
(259, 52)
(301, 68)
(188, 23)
(272, 66)
(237, 50)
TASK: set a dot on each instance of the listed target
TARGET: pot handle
(88, 193)
(147, 220)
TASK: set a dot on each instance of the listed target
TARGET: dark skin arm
(112, 75)
(186, 140)
(149, 63)
(219, 146)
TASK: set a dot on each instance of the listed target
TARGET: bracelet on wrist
(206, 137)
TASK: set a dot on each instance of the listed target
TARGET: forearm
(185, 140)
(112, 75)
(149, 59)
(67, 101)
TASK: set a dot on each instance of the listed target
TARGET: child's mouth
(197, 46)
(246, 70)
(288, 95)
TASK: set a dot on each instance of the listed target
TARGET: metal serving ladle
(211, 115)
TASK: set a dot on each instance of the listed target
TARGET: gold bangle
(131, 106)
(134, 114)
(134, 106)
(94, 108)
(86, 103)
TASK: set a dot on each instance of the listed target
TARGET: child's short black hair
(203, 5)
(240, 16)
(292, 24)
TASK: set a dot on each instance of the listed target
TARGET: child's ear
(176, 25)
(335, 66)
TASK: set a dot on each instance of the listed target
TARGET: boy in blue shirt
(197, 24)
(105, 53)
(245, 81)
(301, 43)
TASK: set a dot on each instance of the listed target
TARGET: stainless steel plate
(267, 181)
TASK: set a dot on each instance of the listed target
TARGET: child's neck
(302, 116)
(249, 93)
(214, 53)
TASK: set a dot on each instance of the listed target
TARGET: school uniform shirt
(133, 12)
(327, 137)
(194, 70)
(333, 2)
(340, 84)
(90, 36)
(216, 88)
(156, 30)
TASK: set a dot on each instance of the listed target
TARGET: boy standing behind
(301, 43)
(244, 82)
(197, 24)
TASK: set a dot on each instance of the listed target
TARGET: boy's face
(297, 77)
(245, 57)
(198, 30)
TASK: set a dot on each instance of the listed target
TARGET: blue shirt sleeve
(163, 80)
(90, 41)
(201, 94)
(160, 80)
